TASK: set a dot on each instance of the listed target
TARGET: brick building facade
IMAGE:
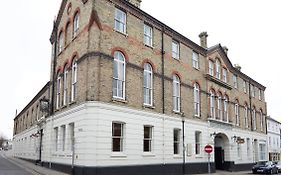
(128, 93)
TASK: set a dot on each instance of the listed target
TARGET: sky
(251, 29)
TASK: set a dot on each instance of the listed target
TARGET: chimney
(237, 66)
(225, 49)
(136, 3)
(203, 39)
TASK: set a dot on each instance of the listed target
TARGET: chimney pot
(136, 3)
(225, 49)
(238, 67)
(203, 39)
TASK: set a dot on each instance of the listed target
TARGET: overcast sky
(251, 29)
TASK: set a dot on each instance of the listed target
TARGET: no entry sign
(208, 149)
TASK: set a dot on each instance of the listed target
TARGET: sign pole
(209, 166)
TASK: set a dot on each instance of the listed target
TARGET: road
(9, 168)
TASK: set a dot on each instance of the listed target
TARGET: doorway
(221, 151)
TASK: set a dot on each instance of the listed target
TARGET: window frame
(58, 90)
(218, 69)
(235, 81)
(176, 93)
(198, 142)
(122, 21)
(195, 60)
(65, 85)
(236, 112)
(118, 79)
(148, 37)
(76, 24)
(74, 75)
(61, 42)
(212, 104)
(211, 67)
(224, 75)
(148, 75)
(176, 134)
(196, 99)
(121, 137)
(148, 140)
(176, 50)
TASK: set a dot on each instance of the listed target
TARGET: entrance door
(40, 144)
(219, 158)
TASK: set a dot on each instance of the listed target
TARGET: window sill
(197, 116)
(72, 103)
(177, 112)
(198, 69)
(177, 59)
(198, 156)
(124, 34)
(64, 106)
(148, 154)
(146, 45)
(118, 155)
(121, 100)
(177, 156)
(148, 106)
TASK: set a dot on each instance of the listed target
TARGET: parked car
(278, 165)
(265, 167)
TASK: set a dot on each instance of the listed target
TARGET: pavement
(13, 166)
(22, 167)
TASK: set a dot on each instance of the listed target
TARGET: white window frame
(246, 116)
(120, 23)
(120, 65)
(63, 135)
(175, 50)
(244, 86)
(225, 108)
(211, 68)
(248, 142)
(196, 92)
(74, 80)
(239, 151)
(148, 85)
(76, 24)
(195, 60)
(176, 138)
(224, 75)
(148, 139)
(176, 93)
(254, 119)
(259, 90)
(198, 142)
(121, 137)
(65, 85)
(219, 107)
(212, 104)
(61, 42)
(236, 111)
(235, 81)
(148, 35)
(56, 131)
(218, 69)
(261, 120)
(71, 135)
(58, 92)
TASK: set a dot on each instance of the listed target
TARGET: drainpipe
(54, 70)
(183, 146)
(250, 101)
(163, 93)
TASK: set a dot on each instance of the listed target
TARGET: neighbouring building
(273, 139)
(130, 95)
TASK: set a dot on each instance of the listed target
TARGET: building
(273, 138)
(130, 95)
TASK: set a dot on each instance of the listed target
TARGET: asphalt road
(9, 168)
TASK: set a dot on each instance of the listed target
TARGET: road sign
(208, 149)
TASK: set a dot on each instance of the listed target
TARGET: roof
(37, 96)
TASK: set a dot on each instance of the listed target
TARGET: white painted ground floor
(110, 139)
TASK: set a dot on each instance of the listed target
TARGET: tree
(2, 140)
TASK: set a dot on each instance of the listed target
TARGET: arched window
(218, 69)
(212, 104)
(196, 92)
(219, 107)
(176, 93)
(58, 91)
(236, 110)
(147, 84)
(261, 120)
(225, 109)
(60, 46)
(65, 85)
(76, 24)
(254, 119)
(67, 33)
(119, 75)
(74, 80)
(246, 116)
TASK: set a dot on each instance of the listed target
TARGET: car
(278, 165)
(265, 167)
